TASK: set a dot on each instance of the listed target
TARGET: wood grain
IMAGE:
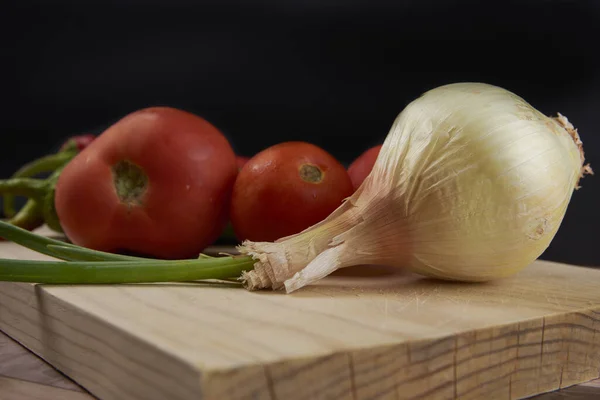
(393, 335)
(32, 371)
(16, 389)
(19, 363)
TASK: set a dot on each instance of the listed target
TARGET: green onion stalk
(39, 207)
(80, 265)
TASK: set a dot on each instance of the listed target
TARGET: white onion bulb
(471, 184)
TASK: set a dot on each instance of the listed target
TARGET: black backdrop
(332, 73)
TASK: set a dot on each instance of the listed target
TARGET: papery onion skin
(472, 184)
(485, 180)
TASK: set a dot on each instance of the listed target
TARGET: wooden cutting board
(362, 334)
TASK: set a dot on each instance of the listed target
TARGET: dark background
(332, 73)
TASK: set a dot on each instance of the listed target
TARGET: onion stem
(85, 266)
(72, 253)
(28, 217)
(104, 272)
(31, 240)
(27, 187)
(44, 164)
(58, 249)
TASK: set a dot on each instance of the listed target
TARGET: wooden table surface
(24, 376)
(568, 332)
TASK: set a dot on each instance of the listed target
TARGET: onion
(471, 184)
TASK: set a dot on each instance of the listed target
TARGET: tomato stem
(44, 164)
(310, 173)
(130, 182)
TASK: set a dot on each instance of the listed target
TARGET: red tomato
(362, 166)
(157, 182)
(286, 188)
